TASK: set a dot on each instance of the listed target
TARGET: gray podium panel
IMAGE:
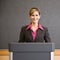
(31, 51)
(31, 56)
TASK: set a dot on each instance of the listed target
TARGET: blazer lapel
(39, 32)
(30, 34)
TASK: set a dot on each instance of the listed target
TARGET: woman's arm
(47, 36)
(22, 36)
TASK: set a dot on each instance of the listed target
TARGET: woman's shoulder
(45, 28)
(24, 27)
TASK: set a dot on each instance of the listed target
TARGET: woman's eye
(36, 15)
(32, 15)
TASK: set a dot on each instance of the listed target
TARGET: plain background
(15, 13)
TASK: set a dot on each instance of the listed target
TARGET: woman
(34, 32)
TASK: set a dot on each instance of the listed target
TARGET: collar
(39, 26)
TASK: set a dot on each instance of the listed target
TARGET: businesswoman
(34, 32)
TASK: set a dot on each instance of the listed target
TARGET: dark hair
(33, 9)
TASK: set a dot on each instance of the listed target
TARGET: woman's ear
(39, 16)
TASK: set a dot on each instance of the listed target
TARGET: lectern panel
(31, 56)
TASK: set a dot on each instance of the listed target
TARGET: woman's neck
(35, 25)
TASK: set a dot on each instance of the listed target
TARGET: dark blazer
(26, 35)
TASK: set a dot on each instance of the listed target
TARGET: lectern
(31, 51)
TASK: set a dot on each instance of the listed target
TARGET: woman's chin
(35, 22)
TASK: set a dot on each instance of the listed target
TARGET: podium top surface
(29, 47)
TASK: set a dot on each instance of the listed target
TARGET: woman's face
(35, 17)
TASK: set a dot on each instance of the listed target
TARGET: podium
(31, 51)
